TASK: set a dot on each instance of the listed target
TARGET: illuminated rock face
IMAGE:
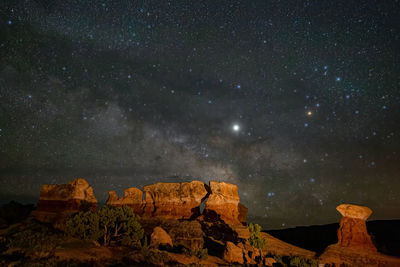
(183, 200)
(354, 246)
(352, 232)
(174, 200)
(133, 198)
(223, 202)
(59, 201)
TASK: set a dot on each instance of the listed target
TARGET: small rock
(233, 254)
(160, 237)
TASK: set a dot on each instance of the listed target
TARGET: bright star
(236, 127)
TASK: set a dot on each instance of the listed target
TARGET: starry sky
(296, 102)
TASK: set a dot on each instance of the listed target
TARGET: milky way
(296, 102)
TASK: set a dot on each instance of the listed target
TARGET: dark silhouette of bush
(14, 212)
(37, 239)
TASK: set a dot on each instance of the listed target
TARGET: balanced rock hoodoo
(355, 247)
(353, 229)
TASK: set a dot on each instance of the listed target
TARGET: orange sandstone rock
(223, 202)
(174, 200)
(160, 237)
(133, 198)
(56, 202)
(353, 229)
(354, 246)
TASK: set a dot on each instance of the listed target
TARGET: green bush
(14, 212)
(202, 254)
(255, 239)
(85, 225)
(118, 224)
(37, 239)
(294, 261)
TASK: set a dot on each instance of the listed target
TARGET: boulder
(57, 202)
(174, 200)
(160, 237)
(223, 203)
(133, 198)
(233, 254)
(269, 261)
(187, 234)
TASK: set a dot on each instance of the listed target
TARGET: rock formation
(160, 237)
(354, 246)
(183, 200)
(174, 200)
(133, 198)
(185, 233)
(56, 202)
(223, 202)
(353, 229)
(233, 253)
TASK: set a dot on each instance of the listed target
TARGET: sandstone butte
(57, 202)
(175, 207)
(183, 200)
(354, 246)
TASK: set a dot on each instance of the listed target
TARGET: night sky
(296, 102)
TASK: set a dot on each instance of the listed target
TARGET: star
(236, 127)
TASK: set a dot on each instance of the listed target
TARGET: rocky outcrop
(354, 246)
(223, 203)
(186, 233)
(133, 198)
(56, 202)
(233, 254)
(160, 238)
(353, 229)
(183, 200)
(174, 200)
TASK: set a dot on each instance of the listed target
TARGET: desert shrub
(294, 261)
(202, 254)
(154, 256)
(255, 239)
(85, 225)
(37, 239)
(14, 212)
(118, 224)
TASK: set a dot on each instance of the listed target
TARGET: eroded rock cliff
(174, 200)
(223, 202)
(59, 201)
